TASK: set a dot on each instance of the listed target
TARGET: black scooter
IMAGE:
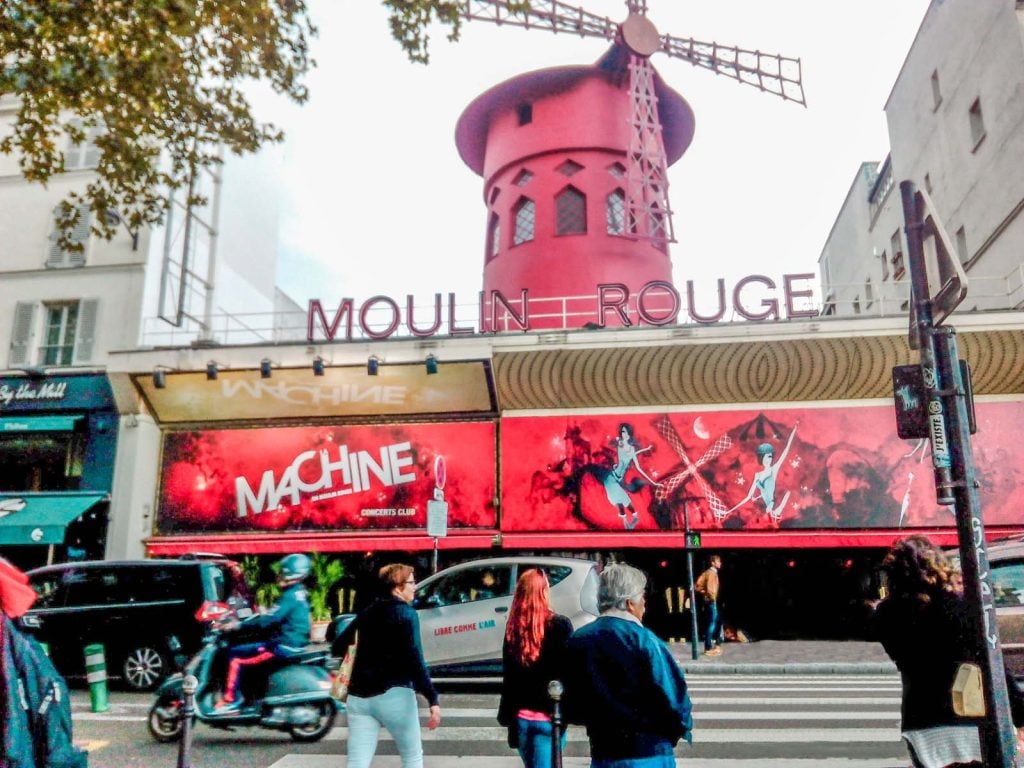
(292, 696)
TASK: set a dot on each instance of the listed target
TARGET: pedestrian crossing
(764, 721)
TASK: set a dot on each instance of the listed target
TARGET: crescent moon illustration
(699, 429)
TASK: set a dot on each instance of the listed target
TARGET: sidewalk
(772, 657)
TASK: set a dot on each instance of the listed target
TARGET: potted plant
(325, 571)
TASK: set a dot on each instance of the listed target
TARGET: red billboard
(800, 468)
(327, 478)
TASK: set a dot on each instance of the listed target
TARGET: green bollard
(96, 675)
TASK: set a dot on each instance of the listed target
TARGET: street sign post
(935, 293)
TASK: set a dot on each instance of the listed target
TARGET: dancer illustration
(615, 486)
(765, 478)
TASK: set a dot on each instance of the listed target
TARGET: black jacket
(526, 687)
(389, 653)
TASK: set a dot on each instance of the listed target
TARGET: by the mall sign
(657, 303)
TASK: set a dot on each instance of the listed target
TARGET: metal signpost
(692, 543)
(437, 507)
(945, 394)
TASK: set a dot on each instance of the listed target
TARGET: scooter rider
(287, 623)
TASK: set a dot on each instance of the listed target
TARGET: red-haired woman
(532, 657)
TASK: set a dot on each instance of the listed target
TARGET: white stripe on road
(473, 761)
(701, 735)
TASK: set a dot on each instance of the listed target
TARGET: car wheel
(144, 666)
(318, 729)
(165, 721)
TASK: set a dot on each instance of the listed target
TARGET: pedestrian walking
(533, 655)
(35, 708)
(389, 671)
(622, 682)
(924, 625)
(706, 587)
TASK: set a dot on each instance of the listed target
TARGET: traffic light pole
(956, 483)
(694, 640)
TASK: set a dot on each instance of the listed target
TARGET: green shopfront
(57, 439)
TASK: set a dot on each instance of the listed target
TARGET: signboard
(296, 393)
(325, 478)
(801, 468)
(23, 394)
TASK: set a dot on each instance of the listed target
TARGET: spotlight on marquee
(211, 371)
(372, 365)
(318, 366)
(159, 378)
(265, 368)
(431, 364)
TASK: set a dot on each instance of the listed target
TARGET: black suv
(136, 608)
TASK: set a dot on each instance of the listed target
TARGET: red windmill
(648, 211)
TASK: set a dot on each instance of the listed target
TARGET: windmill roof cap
(677, 119)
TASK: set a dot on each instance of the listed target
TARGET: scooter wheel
(319, 729)
(165, 721)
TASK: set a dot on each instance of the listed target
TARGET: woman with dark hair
(532, 656)
(389, 671)
(924, 626)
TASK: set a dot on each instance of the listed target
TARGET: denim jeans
(535, 743)
(396, 710)
(714, 626)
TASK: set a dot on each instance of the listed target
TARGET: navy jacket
(623, 684)
(389, 653)
(287, 623)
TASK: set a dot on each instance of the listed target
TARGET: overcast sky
(377, 201)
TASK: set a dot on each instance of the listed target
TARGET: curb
(789, 668)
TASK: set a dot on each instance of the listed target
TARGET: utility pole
(945, 394)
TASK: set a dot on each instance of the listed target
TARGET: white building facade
(956, 129)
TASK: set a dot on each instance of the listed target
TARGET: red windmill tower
(575, 164)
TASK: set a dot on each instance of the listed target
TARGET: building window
(569, 168)
(57, 257)
(493, 236)
(525, 114)
(618, 170)
(961, 245)
(522, 178)
(885, 265)
(856, 305)
(615, 212)
(869, 293)
(829, 307)
(898, 268)
(570, 212)
(977, 124)
(525, 214)
(494, 195)
(85, 154)
(59, 334)
(936, 91)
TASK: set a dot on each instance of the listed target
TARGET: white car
(463, 609)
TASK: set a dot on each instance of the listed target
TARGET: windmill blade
(718, 508)
(780, 75)
(551, 15)
(720, 446)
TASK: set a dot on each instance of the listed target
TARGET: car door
(1008, 589)
(49, 622)
(463, 614)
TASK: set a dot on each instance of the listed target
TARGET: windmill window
(869, 293)
(856, 305)
(897, 255)
(885, 265)
(493, 236)
(58, 257)
(525, 114)
(977, 120)
(494, 195)
(936, 90)
(570, 212)
(525, 214)
(618, 170)
(569, 168)
(522, 178)
(615, 212)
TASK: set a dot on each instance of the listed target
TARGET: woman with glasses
(389, 671)
(532, 656)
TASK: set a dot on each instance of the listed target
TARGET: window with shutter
(21, 335)
(83, 155)
(59, 258)
(86, 333)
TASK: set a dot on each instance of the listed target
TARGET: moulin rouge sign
(657, 303)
